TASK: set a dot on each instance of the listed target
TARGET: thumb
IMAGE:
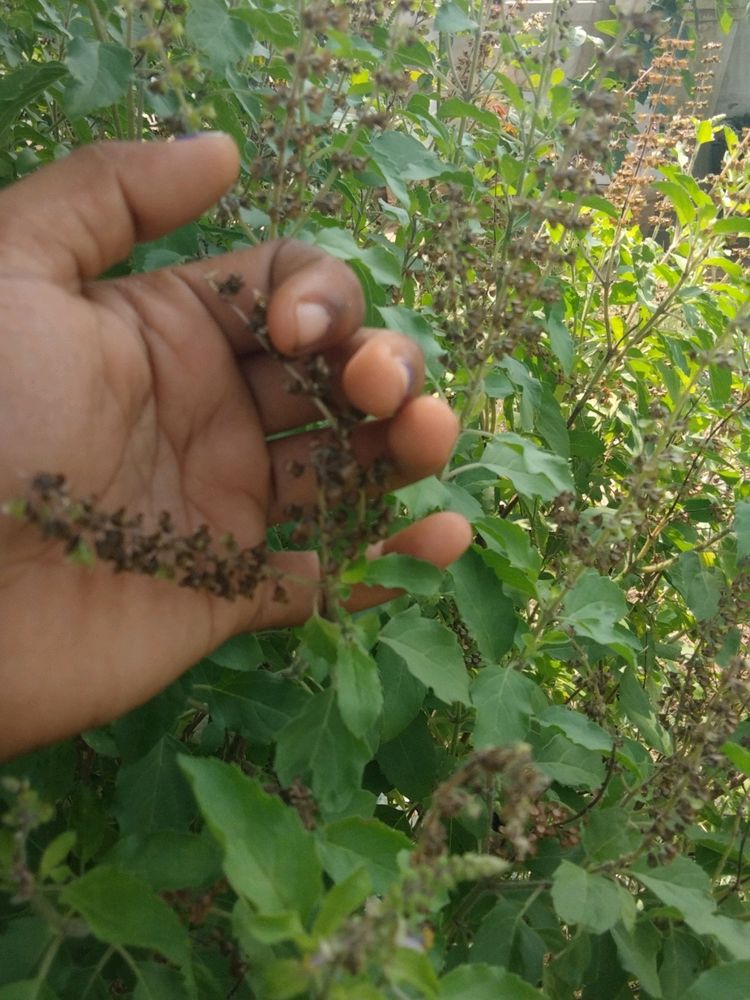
(75, 218)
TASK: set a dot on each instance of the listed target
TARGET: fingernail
(199, 135)
(313, 323)
(407, 375)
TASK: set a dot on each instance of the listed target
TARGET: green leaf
(359, 694)
(403, 158)
(704, 132)
(341, 900)
(592, 901)
(505, 701)
(678, 198)
(409, 761)
(728, 982)
(485, 982)
(268, 855)
(593, 607)
(638, 950)
(739, 756)
(699, 585)
(350, 844)
(577, 727)
(454, 107)
(168, 860)
(27, 989)
(739, 224)
(256, 704)
(151, 793)
(222, 38)
(415, 326)
(157, 982)
(241, 652)
(100, 74)
(403, 694)
(431, 653)
(687, 888)
(484, 607)
(532, 471)
(415, 576)
(121, 910)
(608, 834)
(405, 965)
(511, 541)
(560, 339)
(742, 529)
(452, 18)
(565, 762)
(317, 746)
(19, 89)
(635, 703)
(56, 852)
(504, 938)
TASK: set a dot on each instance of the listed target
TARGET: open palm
(151, 393)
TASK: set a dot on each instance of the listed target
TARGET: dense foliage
(530, 776)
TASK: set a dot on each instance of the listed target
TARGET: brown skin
(148, 392)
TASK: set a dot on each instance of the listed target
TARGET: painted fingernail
(313, 323)
(200, 135)
(407, 375)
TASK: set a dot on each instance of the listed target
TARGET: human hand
(150, 393)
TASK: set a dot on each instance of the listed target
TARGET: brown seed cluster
(193, 560)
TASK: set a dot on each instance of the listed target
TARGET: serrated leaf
(20, 88)
(699, 585)
(505, 701)
(566, 763)
(256, 704)
(581, 898)
(687, 888)
(593, 607)
(532, 471)
(415, 576)
(121, 910)
(359, 694)
(221, 37)
(100, 74)
(577, 727)
(678, 198)
(403, 158)
(151, 794)
(350, 844)
(486, 610)
(409, 760)
(403, 694)
(318, 748)
(636, 705)
(609, 834)
(341, 900)
(431, 653)
(452, 17)
(167, 860)
(241, 652)
(269, 858)
(729, 982)
(485, 982)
